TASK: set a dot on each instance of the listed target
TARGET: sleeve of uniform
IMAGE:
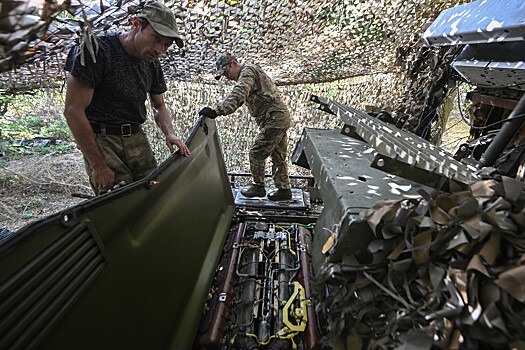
(239, 94)
(158, 85)
(89, 71)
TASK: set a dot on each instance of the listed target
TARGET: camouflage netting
(238, 130)
(304, 45)
(295, 41)
(441, 272)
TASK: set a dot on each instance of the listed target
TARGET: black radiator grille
(37, 295)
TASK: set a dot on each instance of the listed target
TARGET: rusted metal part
(213, 336)
(494, 101)
(311, 335)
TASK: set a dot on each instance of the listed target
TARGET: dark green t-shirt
(121, 82)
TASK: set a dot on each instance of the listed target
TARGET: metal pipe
(213, 336)
(249, 292)
(282, 281)
(311, 335)
(266, 304)
(505, 135)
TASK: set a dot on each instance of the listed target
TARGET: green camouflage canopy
(296, 41)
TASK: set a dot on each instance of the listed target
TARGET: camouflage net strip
(442, 272)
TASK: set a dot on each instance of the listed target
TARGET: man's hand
(174, 140)
(111, 188)
(208, 112)
(102, 177)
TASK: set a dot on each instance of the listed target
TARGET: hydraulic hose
(504, 136)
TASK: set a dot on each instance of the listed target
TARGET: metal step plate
(296, 203)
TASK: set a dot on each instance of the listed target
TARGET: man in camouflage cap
(106, 95)
(255, 88)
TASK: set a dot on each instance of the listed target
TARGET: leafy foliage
(33, 124)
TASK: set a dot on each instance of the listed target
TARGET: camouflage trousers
(270, 143)
(130, 157)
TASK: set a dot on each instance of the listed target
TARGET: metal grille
(38, 294)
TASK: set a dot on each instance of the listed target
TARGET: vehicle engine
(261, 295)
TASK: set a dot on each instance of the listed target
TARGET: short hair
(144, 23)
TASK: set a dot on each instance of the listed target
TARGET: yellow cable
(290, 244)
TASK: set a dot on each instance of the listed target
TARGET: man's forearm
(85, 138)
(78, 97)
(162, 119)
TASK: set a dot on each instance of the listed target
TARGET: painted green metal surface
(126, 270)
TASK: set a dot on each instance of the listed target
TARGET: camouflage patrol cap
(223, 60)
(162, 20)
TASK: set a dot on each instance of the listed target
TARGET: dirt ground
(35, 187)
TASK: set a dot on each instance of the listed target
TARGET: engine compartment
(261, 296)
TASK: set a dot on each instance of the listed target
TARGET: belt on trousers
(121, 130)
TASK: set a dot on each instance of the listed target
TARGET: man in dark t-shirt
(106, 95)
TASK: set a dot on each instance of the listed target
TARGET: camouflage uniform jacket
(261, 96)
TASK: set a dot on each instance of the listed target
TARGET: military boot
(254, 191)
(280, 195)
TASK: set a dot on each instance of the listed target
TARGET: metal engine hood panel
(493, 65)
(348, 185)
(126, 270)
(478, 22)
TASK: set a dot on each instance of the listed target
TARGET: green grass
(32, 116)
